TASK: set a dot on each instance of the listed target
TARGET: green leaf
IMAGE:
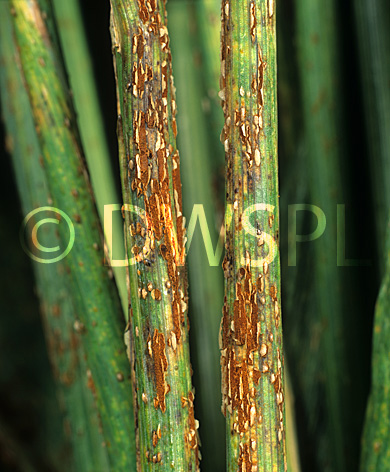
(96, 306)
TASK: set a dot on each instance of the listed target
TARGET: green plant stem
(59, 315)
(89, 117)
(373, 28)
(293, 188)
(205, 274)
(373, 23)
(208, 31)
(293, 460)
(324, 141)
(375, 453)
(252, 347)
(155, 236)
(97, 305)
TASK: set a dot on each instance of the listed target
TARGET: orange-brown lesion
(242, 368)
(191, 439)
(160, 368)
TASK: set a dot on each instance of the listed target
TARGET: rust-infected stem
(251, 344)
(155, 236)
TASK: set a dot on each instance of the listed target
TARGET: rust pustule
(155, 438)
(160, 368)
(191, 436)
(91, 383)
(253, 21)
(138, 43)
(244, 461)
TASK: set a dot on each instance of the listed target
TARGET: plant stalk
(251, 345)
(97, 308)
(90, 121)
(375, 452)
(155, 236)
(205, 239)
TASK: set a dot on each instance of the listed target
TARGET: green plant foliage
(96, 307)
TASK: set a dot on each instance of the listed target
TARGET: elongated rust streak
(240, 375)
(191, 436)
(160, 224)
(253, 21)
(160, 367)
(244, 461)
(153, 153)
